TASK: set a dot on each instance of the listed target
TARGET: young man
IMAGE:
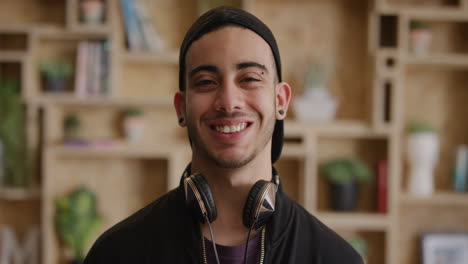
(232, 101)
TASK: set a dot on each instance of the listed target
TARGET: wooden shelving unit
(378, 82)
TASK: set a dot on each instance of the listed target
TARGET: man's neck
(230, 188)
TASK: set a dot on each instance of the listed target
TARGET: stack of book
(139, 29)
(92, 69)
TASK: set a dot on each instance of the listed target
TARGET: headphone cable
(247, 243)
(212, 239)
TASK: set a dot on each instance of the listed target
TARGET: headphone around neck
(258, 208)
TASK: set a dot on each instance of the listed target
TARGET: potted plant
(423, 154)
(92, 11)
(420, 38)
(360, 245)
(343, 176)
(76, 220)
(315, 104)
(133, 125)
(56, 74)
(71, 127)
(13, 135)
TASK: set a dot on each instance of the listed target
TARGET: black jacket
(165, 232)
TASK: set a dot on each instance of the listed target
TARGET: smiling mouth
(228, 129)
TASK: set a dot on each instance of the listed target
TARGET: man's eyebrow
(210, 68)
(249, 64)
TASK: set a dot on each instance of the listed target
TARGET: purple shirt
(235, 254)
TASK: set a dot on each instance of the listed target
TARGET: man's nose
(229, 97)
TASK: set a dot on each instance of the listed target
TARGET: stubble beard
(201, 148)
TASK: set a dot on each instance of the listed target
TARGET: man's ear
(283, 97)
(179, 105)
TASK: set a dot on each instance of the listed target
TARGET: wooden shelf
(438, 198)
(361, 221)
(70, 99)
(170, 57)
(91, 29)
(16, 28)
(457, 61)
(335, 129)
(436, 14)
(57, 32)
(119, 149)
(19, 194)
(12, 56)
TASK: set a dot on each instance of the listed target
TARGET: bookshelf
(377, 81)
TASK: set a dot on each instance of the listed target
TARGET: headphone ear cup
(204, 190)
(255, 199)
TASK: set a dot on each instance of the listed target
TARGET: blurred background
(375, 139)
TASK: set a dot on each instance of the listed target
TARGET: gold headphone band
(197, 195)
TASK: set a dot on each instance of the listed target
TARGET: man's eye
(204, 82)
(250, 79)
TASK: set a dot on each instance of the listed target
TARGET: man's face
(229, 102)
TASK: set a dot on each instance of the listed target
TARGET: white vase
(92, 11)
(420, 40)
(423, 154)
(134, 128)
(315, 105)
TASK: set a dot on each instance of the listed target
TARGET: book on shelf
(152, 40)
(382, 186)
(460, 176)
(140, 32)
(92, 69)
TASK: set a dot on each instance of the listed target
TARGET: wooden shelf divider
(19, 194)
(438, 199)
(360, 221)
(169, 57)
(445, 60)
(12, 56)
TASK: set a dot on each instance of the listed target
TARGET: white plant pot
(134, 128)
(420, 41)
(315, 105)
(423, 154)
(92, 11)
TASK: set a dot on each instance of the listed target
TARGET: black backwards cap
(223, 16)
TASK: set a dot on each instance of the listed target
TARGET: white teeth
(231, 129)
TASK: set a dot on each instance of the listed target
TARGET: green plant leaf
(76, 219)
(13, 134)
(344, 171)
(420, 127)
